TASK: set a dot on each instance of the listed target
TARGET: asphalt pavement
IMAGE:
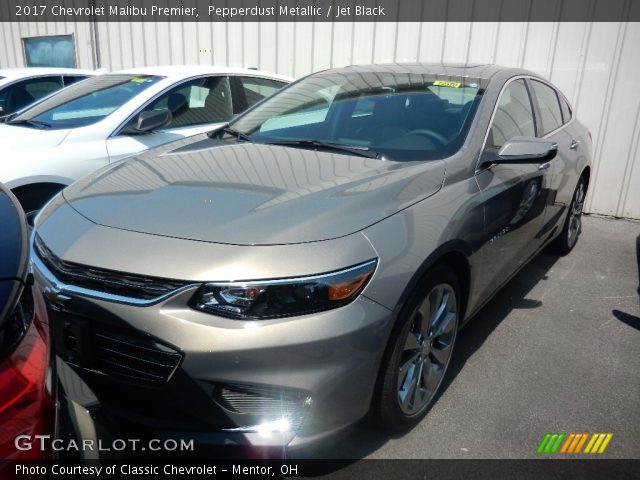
(557, 350)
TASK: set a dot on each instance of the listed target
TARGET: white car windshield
(85, 103)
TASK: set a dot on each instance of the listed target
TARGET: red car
(26, 387)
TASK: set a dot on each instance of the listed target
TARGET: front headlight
(283, 297)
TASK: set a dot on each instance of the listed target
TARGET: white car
(20, 87)
(112, 116)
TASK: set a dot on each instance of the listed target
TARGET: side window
(566, 110)
(256, 89)
(548, 106)
(3, 96)
(197, 102)
(71, 79)
(26, 92)
(514, 116)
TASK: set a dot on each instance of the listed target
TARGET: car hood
(250, 194)
(14, 136)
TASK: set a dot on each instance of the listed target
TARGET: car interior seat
(217, 104)
(386, 120)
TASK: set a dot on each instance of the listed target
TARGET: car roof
(484, 72)
(186, 71)
(15, 73)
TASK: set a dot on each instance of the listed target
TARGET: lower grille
(264, 402)
(125, 355)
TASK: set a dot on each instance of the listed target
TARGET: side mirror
(524, 150)
(148, 121)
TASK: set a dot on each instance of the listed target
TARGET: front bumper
(284, 382)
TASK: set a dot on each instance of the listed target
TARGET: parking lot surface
(557, 350)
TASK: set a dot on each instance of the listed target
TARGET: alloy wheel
(575, 219)
(427, 349)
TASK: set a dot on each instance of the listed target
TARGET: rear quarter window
(548, 106)
(566, 109)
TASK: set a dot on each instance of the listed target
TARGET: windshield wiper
(32, 123)
(352, 149)
(230, 131)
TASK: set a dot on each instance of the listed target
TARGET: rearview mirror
(148, 121)
(526, 150)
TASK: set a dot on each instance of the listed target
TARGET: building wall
(594, 64)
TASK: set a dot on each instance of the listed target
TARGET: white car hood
(14, 136)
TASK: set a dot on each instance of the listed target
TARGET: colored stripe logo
(573, 443)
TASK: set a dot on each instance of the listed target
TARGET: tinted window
(87, 102)
(566, 109)
(71, 79)
(547, 100)
(3, 96)
(199, 101)
(256, 89)
(513, 117)
(41, 87)
(400, 116)
(22, 94)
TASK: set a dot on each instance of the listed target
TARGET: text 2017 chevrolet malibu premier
(319, 261)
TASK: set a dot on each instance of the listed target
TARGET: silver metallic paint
(409, 216)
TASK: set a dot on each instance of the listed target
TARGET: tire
(405, 389)
(573, 223)
(33, 197)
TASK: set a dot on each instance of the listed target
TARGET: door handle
(574, 144)
(544, 166)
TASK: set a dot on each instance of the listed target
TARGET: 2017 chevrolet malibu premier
(319, 262)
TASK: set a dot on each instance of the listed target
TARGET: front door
(514, 195)
(197, 106)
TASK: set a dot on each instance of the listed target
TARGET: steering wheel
(430, 134)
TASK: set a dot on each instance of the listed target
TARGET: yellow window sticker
(138, 80)
(444, 83)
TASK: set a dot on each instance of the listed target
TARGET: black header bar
(319, 10)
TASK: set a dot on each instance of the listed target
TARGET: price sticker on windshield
(444, 83)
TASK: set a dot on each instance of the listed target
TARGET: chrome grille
(103, 280)
(127, 355)
(135, 358)
(264, 402)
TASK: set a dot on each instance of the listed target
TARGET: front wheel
(419, 352)
(33, 197)
(573, 224)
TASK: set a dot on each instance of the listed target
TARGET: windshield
(401, 117)
(86, 102)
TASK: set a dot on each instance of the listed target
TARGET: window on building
(50, 51)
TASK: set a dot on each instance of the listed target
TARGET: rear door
(513, 194)
(197, 106)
